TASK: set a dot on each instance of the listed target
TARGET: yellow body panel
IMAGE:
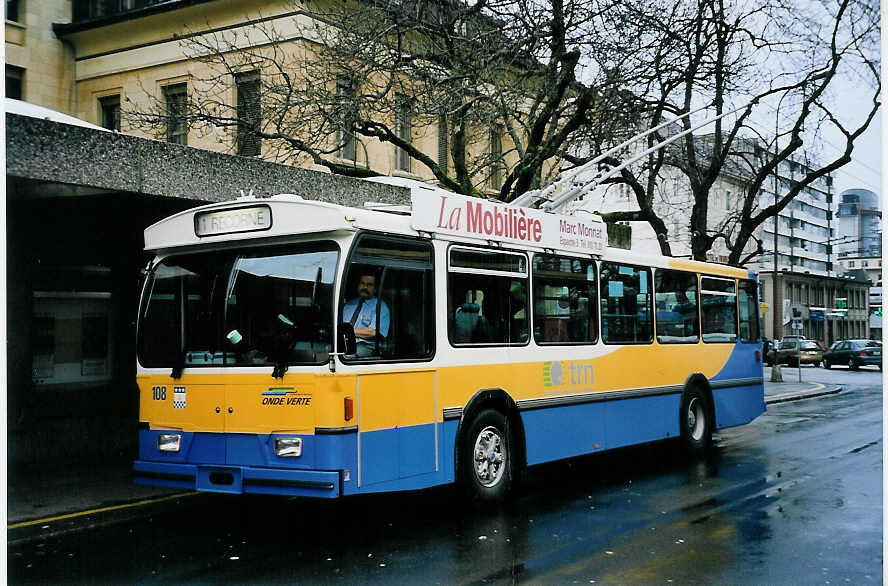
(241, 403)
(386, 400)
(391, 400)
(157, 403)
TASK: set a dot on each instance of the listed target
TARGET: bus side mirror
(348, 344)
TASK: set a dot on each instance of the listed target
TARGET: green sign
(841, 303)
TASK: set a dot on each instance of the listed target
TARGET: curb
(799, 395)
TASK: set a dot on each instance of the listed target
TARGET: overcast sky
(864, 170)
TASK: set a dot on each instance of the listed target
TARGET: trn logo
(578, 373)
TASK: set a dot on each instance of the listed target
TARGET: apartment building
(859, 242)
(825, 308)
(104, 61)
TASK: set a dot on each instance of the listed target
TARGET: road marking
(99, 510)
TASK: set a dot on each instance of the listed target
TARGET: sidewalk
(44, 502)
(792, 390)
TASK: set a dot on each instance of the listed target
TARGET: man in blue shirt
(361, 313)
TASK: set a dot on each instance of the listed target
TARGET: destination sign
(232, 221)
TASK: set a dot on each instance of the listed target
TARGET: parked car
(854, 353)
(788, 352)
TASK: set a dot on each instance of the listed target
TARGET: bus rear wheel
(696, 422)
(487, 457)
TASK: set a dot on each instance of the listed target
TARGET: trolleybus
(296, 347)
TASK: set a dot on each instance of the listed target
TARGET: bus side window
(565, 300)
(748, 311)
(487, 297)
(719, 309)
(625, 304)
(676, 303)
(401, 301)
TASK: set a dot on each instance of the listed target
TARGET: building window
(72, 342)
(12, 10)
(14, 82)
(249, 113)
(176, 100)
(442, 142)
(403, 123)
(345, 94)
(109, 107)
(496, 154)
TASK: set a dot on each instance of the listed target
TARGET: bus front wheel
(487, 457)
(696, 422)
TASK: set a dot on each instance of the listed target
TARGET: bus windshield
(266, 306)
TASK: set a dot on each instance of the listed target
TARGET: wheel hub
(490, 457)
(696, 419)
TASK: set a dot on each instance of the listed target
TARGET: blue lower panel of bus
(239, 479)
(247, 463)
(404, 458)
(563, 432)
(400, 453)
(738, 405)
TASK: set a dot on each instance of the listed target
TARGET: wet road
(793, 498)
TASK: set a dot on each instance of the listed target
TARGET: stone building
(827, 308)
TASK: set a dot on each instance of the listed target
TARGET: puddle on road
(793, 420)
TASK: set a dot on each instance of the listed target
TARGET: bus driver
(361, 313)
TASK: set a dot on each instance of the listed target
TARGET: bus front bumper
(239, 479)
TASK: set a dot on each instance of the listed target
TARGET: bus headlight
(288, 447)
(169, 442)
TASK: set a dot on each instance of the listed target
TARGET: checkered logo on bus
(178, 397)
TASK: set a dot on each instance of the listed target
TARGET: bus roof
(434, 212)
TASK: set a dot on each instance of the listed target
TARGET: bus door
(397, 425)
(388, 297)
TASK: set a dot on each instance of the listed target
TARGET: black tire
(852, 364)
(486, 458)
(827, 365)
(695, 420)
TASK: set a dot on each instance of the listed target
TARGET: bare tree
(763, 57)
(517, 91)
(499, 79)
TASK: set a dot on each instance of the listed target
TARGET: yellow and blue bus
(297, 347)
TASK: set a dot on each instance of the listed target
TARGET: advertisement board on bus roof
(470, 217)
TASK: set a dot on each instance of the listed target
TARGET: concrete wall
(47, 151)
